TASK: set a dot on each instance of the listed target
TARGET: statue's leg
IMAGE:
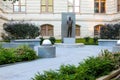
(70, 31)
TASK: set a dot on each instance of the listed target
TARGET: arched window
(100, 6)
(74, 6)
(97, 30)
(118, 5)
(47, 6)
(77, 30)
(19, 6)
(46, 30)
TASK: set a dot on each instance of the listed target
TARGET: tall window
(19, 6)
(100, 6)
(47, 30)
(47, 6)
(118, 5)
(74, 6)
(97, 30)
(77, 30)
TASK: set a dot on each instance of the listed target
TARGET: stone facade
(87, 19)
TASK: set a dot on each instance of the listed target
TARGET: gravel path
(27, 70)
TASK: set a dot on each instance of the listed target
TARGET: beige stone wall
(87, 19)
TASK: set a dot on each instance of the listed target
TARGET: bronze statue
(69, 24)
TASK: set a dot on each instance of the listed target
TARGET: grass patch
(82, 40)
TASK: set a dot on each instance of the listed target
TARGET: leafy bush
(25, 53)
(95, 40)
(20, 30)
(87, 39)
(52, 39)
(22, 53)
(6, 56)
(110, 31)
(90, 69)
(41, 40)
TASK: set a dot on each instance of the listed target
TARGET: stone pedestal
(47, 51)
(117, 47)
(69, 40)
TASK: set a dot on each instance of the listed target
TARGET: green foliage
(22, 53)
(95, 40)
(110, 31)
(52, 39)
(7, 56)
(25, 53)
(58, 41)
(41, 40)
(87, 39)
(20, 30)
(90, 69)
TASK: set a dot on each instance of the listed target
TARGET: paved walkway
(27, 70)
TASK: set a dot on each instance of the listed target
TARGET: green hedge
(86, 41)
(89, 69)
(22, 53)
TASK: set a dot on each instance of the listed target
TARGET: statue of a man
(69, 24)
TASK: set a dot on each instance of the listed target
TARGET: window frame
(118, 5)
(19, 7)
(99, 6)
(73, 6)
(47, 7)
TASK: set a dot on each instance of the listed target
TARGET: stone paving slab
(27, 70)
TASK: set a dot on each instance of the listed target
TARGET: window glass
(77, 9)
(16, 8)
(47, 6)
(22, 2)
(77, 3)
(99, 6)
(19, 6)
(70, 9)
(50, 9)
(74, 6)
(22, 8)
(70, 2)
(50, 2)
(43, 2)
(118, 6)
(43, 8)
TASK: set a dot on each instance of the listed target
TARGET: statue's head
(69, 18)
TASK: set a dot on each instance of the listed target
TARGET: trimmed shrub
(52, 39)
(87, 39)
(25, 53)
(7, 56)
(110, 31)
(89, 69)
(95, 40)
(22, 53)
(20, 30)
(41, 40)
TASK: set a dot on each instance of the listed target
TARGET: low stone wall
(107, 42)
(14, 45)
(36, 42)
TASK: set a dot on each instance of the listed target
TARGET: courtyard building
(46, 14)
